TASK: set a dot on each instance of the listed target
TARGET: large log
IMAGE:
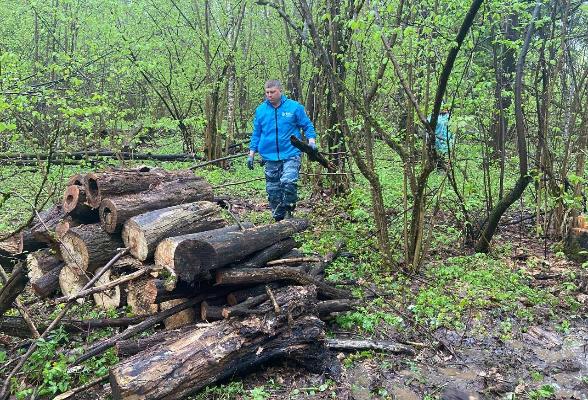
(47, 284)
(89, 247)
(43, 229)
(142, 233)
(190, 256)
(115, 183)
(244, 276)
(166, 249)
(40, 262)
(204, 356)
(115, 211)
(272, 252)
(13, 287)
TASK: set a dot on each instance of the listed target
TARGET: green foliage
(543, 392)
(472, 283)
(47, 367)
(230, 391)
(367, 320)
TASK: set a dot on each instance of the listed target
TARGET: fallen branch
(271, 274)
(21, 308)
(217, 160)
(379, 345)
(292, 261)
(82, 388)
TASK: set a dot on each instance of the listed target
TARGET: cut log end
(74, 251)
(71, 197)
(134, 238)
(93, 196)
(72, 280)
(108, 299)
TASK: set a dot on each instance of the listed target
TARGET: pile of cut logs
(156, 241)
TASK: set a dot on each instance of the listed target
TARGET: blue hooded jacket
(273, 126)
(443, 137)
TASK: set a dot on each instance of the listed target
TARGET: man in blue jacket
(276, 119)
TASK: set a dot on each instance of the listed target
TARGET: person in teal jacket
(276, 119)
(443, 137)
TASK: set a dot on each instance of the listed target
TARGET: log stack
(187, 267)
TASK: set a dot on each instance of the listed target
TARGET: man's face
(273, 94)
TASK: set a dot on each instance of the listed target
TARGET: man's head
(273, 91)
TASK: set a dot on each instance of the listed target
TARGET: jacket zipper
(277, 143)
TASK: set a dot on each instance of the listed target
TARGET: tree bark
(115, 211)
(48, 283)
(203, 356)
(242, 276)
(130, 347)
(115, 183)
(89, 247)
(274, 251)
(40, 262)
(192, 255)
(142, 233)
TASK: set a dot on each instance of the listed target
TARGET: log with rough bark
(142, 233)
(190, 256)
(129, 347)
(328, 307)
(48, 283)
(380, 345)
(119, 182)
(89, 247)
(244, 276)
(44, 230)
(272, 252)
(115, 211)
(203, 356)
(40, 262)
(13, 287)
(165, 251)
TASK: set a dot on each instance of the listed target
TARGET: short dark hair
(273, 83)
